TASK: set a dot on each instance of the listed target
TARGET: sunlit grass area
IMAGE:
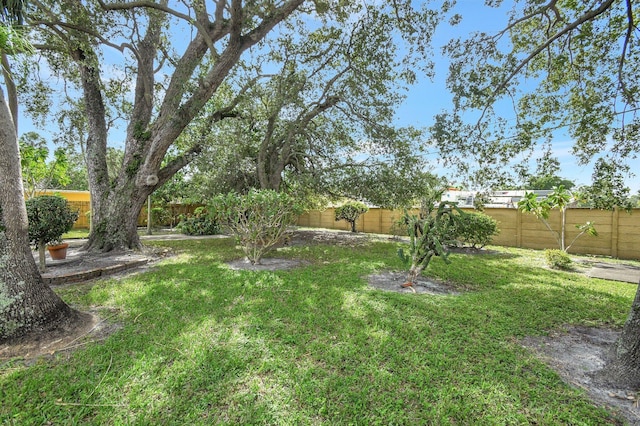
(204, 344)
(75, 234)
(84, 233)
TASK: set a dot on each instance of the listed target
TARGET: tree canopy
(162, 70)
(559, 65)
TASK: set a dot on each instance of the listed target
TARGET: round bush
(350, 212)
(557, 259)
(258, 219)
(475, 229)
(49, 217)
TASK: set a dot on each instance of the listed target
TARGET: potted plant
(49, 217)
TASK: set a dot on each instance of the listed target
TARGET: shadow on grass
(204, 344)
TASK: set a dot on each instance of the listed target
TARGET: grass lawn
(84, 233)
(204, 344)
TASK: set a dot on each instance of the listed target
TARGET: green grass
(84, 233)
(204, 344)
(75, 234)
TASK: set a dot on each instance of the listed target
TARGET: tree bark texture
(623, 369)
(26, 303)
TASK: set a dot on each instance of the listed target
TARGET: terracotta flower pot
(58, 252)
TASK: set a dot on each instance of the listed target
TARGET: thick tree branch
(175, 165)
(60, 24)
(12, 92)
(523, 63)
(201, 26)
(173, 118)
(625, 46)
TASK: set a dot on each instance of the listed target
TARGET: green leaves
(475, 229)
(530, 204)
(429, 232)
(258, 219)
(49, 217)
(558, 65)
(37, 172)
(588, 228)
(350, 212)
(559, 199)
(12, 11)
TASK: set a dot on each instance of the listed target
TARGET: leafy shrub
(475, 229)
(561, 199)
(350, 212)
(201, 223)
(49, 217)
(558, 259)
(160, 216)
(258, 219)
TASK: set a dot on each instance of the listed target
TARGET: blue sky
(430, 97)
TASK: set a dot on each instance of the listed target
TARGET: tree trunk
(623, 369)
(115, 223)
(563, 215)
(26, 303)
(42, 263)
(12, 92)
(414, 273)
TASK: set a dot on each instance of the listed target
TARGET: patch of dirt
(392, 281)
(86, 328)
(266, 264)
(578, 352)
(80, 267)
(334, 237)
(471, 250)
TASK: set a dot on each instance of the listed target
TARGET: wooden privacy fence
(173, 212)
(618, 231)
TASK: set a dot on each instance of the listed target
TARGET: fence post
(518, 228)
(614, 231)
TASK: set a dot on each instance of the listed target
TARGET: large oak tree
(176, 57)
(169, 89)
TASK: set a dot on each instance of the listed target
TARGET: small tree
(430, 232)
(49, 217)
(475, 229)
(350, 212)
(258, 219)
(38, 174)
(561, 199)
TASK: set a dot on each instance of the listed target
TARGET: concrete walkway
(82, 266)
(79, 242)
(615, 272)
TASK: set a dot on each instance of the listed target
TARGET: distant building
(497, 199)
